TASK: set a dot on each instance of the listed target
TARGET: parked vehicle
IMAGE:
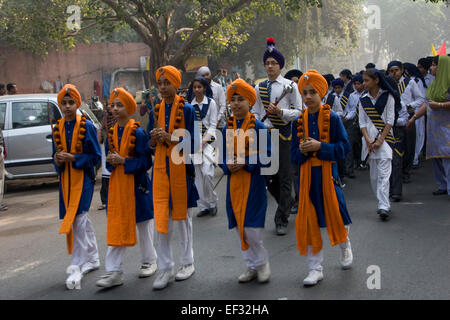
(25, 122)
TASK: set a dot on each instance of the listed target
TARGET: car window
(2, 115)
(31, 114)
(55, 114)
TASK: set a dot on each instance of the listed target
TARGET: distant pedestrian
(12, 88)
(2, 89)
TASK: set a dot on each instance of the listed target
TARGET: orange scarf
(176, 186)
(240, 181)
(306, 224)
(121, 214)
(71, 178)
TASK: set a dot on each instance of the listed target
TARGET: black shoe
(213, 211)
(351, 175)
(415, 166)
(384, 214)
(396, 197)
(439, 192)
(281, 230)
(203, 213)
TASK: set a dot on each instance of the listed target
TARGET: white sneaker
(185, 272)
(147, 270)
(163, 279)
(110, 279)
(313, 278)
(346, 258)
(248, 275)
(90, 266)
(74, 280)
(263, 273)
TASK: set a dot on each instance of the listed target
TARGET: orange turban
(242, 88)
(126, 98)
(71, 90)
(316, 80)
(171, 73)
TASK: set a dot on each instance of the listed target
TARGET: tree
(334, 28)
(408, 29)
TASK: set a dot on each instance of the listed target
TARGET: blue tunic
(138, 165)
(85, 161)
(333, 151)
(189, 119)
(255, 213)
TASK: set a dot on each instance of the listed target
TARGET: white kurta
(380, 161)
(204, 171)
(292, 99)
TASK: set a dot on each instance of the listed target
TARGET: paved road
(411, 251)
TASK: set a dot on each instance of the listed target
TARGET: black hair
(2, 86)
(370, 65)
(9, 86)
(425, 63)
(347, 73)
(435, 59)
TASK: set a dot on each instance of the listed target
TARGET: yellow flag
(433, 50)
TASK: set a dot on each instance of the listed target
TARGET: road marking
(14, 272)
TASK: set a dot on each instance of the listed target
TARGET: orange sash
(71, 180)
(176, 186)
(240, 183)
(306, 224)
(121, 212)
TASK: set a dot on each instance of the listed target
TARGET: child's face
(396, 73)
(359, 86)
(239, 106)
(337, 89)
(118, 110)
(68, 107)
(370, 83)
(311, 97)
(198, 89)
(166, 89)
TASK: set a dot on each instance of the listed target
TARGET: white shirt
(352, 105)
(412, 96)
(429, 79)
(388, 116)
(293, 99)
(337, 107)
(210, 119)
(220, 100)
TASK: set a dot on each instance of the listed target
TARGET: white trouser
(204, 181)
(114, 255)
(380, 172)
(84, 242)
(164, 249)
(255, 256)
(315, 260)
(420, 138)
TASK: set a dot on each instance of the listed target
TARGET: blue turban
(293, 73)
(271, 52)
(338, 82)
(394, 64)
